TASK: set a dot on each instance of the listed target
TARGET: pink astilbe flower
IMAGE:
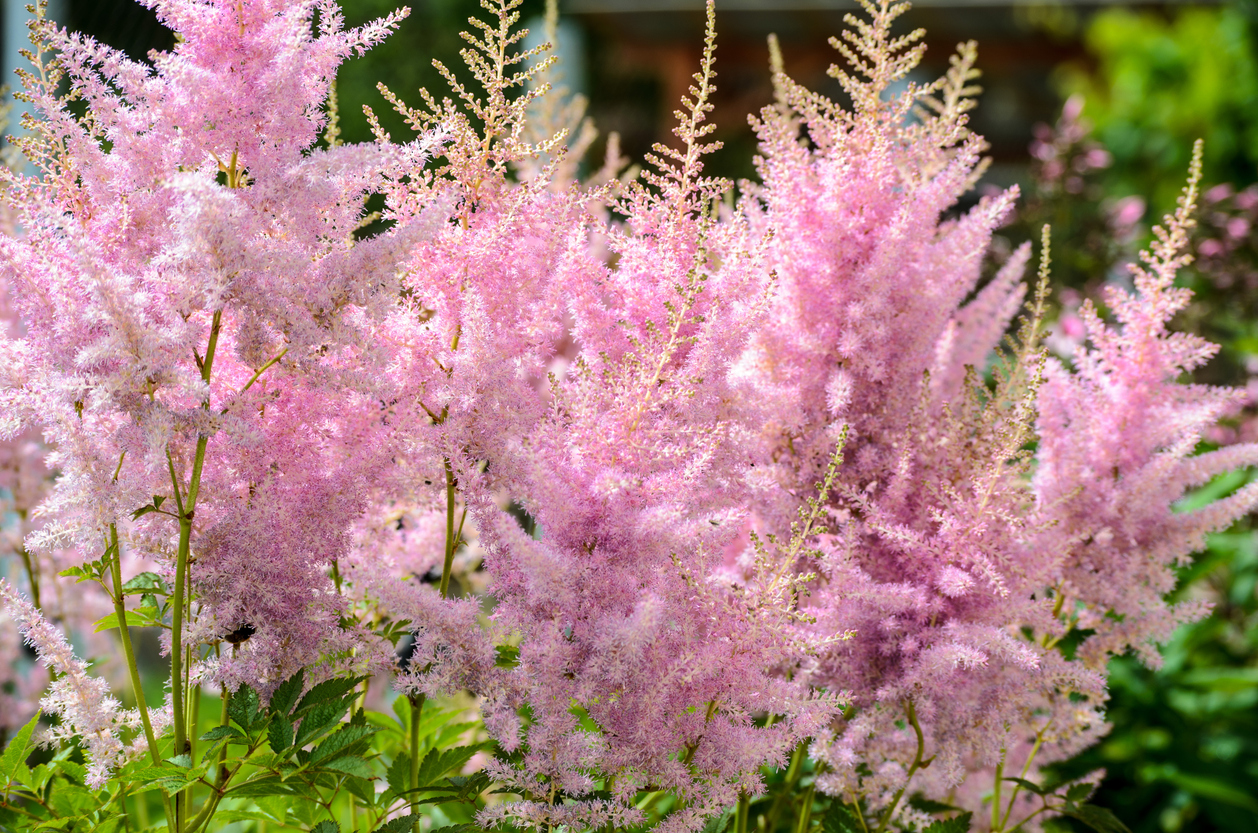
(944, 551)
(83, 702)
(194, 296)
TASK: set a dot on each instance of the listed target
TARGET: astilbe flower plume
(189, 281)
(945, 551)
(769, 493)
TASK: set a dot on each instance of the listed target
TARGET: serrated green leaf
(136, 618)
(142, 511)
(1028, 785)
(926, 805)
(1098, 818)
(280, 734)
(960, 824)
(342, 739)
(228, 816)
(261, 787)
(326, 827)
(361, 788)
(350, 765)
(398, 774)
(221, 732)
(328, 690)
(839, 819)
(110, 825)
(398, 825)
(286, 695)
(506, 656)
(321, 718)
(146, 583)
(15, 753)
(243, 707)
(1078, 792)
(718, 824)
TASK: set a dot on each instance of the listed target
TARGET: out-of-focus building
(636, 58)
(640, 55)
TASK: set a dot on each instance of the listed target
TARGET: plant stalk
(128, 651)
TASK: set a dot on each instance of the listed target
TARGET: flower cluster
(733, 472)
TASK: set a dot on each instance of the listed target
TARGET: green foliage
(1162, 83)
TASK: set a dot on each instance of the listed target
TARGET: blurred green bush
(1183, 752)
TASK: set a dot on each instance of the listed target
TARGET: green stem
(917, 764)
(417, 708)
(1000, 771)
(792, 777)
(451, 542)
(1013, 796)
(805, 812)
(32, 575)
(128, 651)
(222, 721)
(186, 510)
(744, 810)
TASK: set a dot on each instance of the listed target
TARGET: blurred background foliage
(1092, 110)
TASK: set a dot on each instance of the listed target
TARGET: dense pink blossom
(770, 491)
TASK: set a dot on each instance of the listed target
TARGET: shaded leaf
(839, 819)
(1028, 785)
(1098, 818)
(350, 765)
(220, 732)
(398, 825)
(286, 695)
(280, 734)
(146, 583)
(960, 824)
(15, 753)
(326, 691)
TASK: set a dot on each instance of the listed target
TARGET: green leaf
(328, 690)
(839, 819)
(350, 765)
(220, 732)
(243, 707)
(286, 695)
(345, 737)
(320, 719)
(260, 787)
(227, 816)
(361, 788)
(398, 825)
(926, 805)
(15, 753)
(280, 734)
(1098, 818)
(399, 773)
(146, 583)
(110, 825)
(1028, 785)
(960, 824)
(1078, 792)
(143, 617)
(437, 764)
(507, 656)
(717, 824)
(326, 827)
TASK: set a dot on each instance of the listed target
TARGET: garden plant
(467, 490)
